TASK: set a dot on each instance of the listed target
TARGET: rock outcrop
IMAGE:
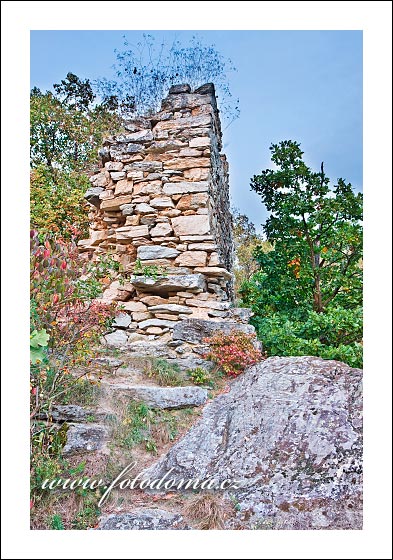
(290, 431)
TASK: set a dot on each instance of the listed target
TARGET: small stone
(199, 142)
(161, 202)
(184, 187)
(99, 180)
(97, 236)
(134, 306)
(211, 304)
(117, 175)
(123, 320)
(124, 187)
(189, 152)
(107, 193)
(92, 195)
(143, 208)
(192, 201)
(156, 323)
(191, 225)
(215, 260)
(154, 330)
(171, 213)
(115, 203)
(197, 174)
(187, 163)
(170, 308)
(146, 252)
(179, 88)
(114, 166)
(127, 209)
(194, 283)
(161, 230)
(151, 188)
(133, 220)
(154, 300)
(202, 247)
(134, 174)
(140, 316)
(215, 271)
(167, 316)
(196, 238)
(116, 339)
(132, 232)
(192, 258)
(84, 437)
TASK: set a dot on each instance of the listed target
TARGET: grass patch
(207, 510)
(163, 372)
(141, 425)
(83, 393)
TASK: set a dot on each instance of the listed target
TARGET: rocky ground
(289, 430)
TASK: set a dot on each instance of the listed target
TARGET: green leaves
(38, 344)
(307, 294)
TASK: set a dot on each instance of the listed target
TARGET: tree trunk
(317, 304)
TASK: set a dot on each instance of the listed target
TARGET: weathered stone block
(162, 229)
(195, 330)
(191, 282)
(192, 258)
(115, 203)
(191, 225)
(146, 252)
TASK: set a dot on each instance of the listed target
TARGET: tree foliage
(146, 71)
(57, 205)
(66, 127)
(66, 131)
(315, 267)
(246, 241)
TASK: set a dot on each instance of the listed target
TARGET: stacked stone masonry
(161, 200)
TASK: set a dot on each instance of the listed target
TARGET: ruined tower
(160, 205)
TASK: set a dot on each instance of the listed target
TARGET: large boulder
(290, 432)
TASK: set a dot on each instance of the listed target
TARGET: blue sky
(299, 85)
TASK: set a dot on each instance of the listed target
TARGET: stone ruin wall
(162, 199)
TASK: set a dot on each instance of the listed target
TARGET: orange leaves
(233, 352)
(295, 263)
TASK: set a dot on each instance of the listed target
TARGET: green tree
(307, 292)
(66, 131)
(316, 232)
(66, 127)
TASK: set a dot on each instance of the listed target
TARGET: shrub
(65, 323)
(233, 352)
(57, 203)
(334, 335)
(199, 376)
